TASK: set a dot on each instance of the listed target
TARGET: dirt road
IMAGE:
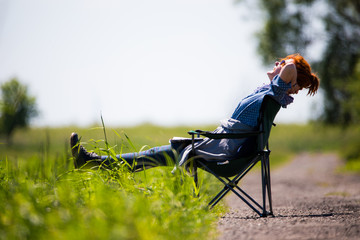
(311, 200)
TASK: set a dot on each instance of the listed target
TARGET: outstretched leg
(154, 157)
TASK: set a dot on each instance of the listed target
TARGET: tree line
(288, 27)
(291, 26)
(17, 107)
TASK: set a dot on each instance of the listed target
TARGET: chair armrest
(237, 135)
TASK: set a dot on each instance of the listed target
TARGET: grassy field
(44, 197)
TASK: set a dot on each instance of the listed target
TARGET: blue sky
(165, 62)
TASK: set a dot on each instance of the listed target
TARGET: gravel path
(310, 201)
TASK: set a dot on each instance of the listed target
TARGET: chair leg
(218, 197)
(232, 185)
(266, 184)
(263, 184)
(269, 186)
(196, 180)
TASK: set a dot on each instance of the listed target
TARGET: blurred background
(150, 61)
(154, 69)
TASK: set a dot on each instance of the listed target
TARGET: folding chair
(231, 171)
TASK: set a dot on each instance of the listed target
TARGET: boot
(82, 158)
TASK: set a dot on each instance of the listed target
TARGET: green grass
(44, 197)
(100, 205)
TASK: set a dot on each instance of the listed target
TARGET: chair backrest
(252, 145)
(269, 108)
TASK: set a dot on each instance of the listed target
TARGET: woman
(287, 78)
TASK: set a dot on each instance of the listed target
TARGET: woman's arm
(288, 73)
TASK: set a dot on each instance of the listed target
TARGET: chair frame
(262, 155)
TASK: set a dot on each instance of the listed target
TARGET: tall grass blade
(130, 142)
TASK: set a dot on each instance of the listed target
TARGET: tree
(290, 26)
(16, 107)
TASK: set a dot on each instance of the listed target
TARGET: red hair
(305, 78)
